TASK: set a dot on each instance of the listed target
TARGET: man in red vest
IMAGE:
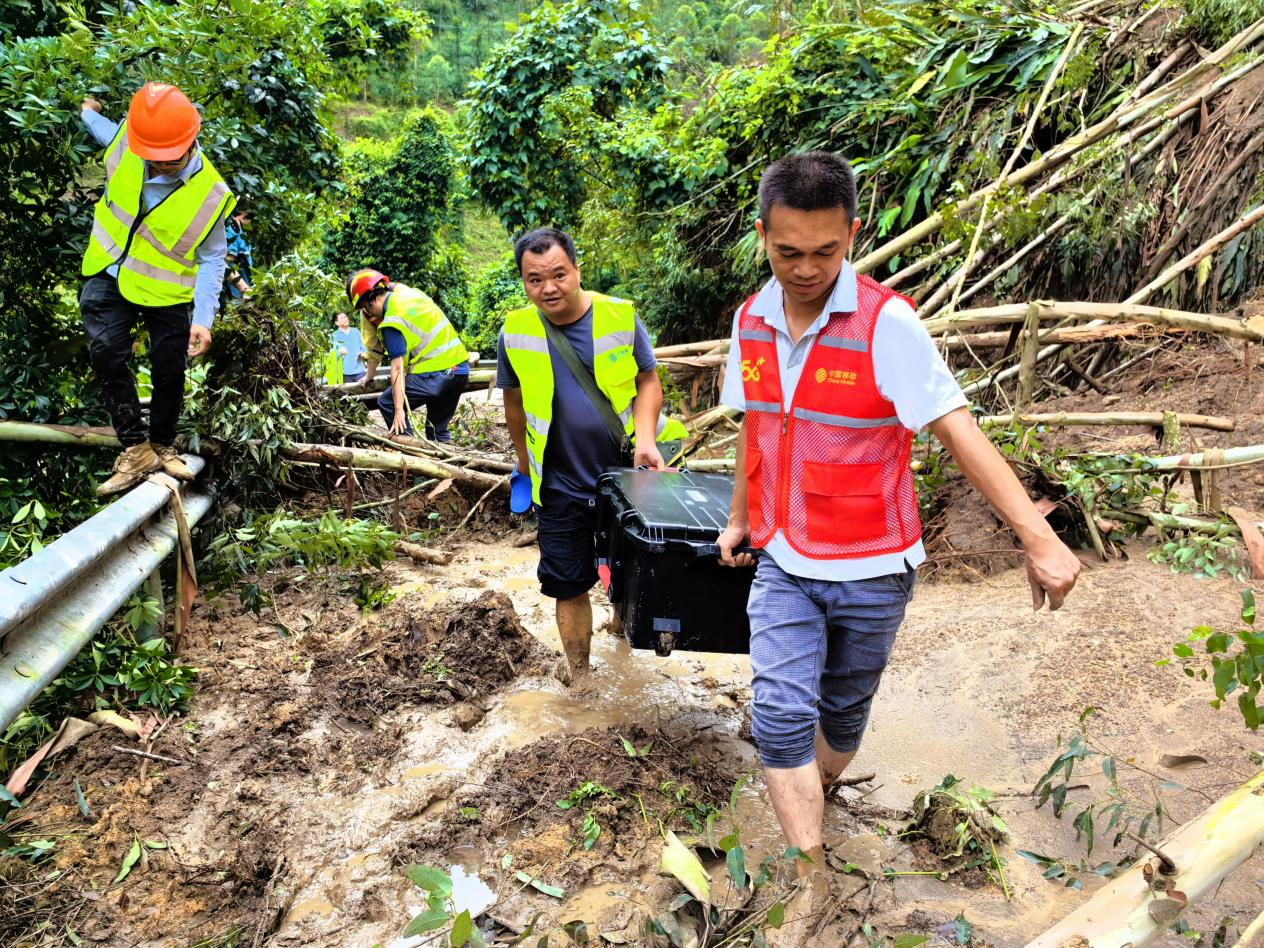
(835, 375)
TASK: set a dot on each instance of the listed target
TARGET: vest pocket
(844, 502)
(754, 502)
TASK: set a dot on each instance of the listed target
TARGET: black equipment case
(657, 557)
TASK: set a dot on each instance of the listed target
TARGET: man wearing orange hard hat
(157, 255)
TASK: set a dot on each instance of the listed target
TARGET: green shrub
(497, 290)
(1214, 22)
(400, 205)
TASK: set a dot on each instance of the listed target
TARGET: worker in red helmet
(429, 364)
(156, 256)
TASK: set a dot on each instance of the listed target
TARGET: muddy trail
(325, 751)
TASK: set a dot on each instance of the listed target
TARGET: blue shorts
(818, 650)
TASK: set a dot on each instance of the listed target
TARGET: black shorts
(568, 544)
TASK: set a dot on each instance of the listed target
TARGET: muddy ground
(325, 751)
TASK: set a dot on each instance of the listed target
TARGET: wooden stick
(422, 554)
(1027, 366)
(147, 755)
(1151, 419)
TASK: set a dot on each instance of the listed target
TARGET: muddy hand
(1052, 570)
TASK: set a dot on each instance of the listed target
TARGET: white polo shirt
(909, 371)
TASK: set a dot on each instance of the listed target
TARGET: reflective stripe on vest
(831, 471)
(614, 368)
(433, 344)
(155, 249)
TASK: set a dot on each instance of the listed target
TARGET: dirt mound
(582, 802)
(457, 651)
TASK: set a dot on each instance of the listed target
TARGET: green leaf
(427, 921)
(1108, 768)
(461, 929)
(776, 915)
(129, 860)
(540, 886)
(736, 862)
(1248, 607)
(909, 940)
(963, 931)
(679, 861)
(431, 879)
(1219, 642)
(628, 747)
(1183, 650)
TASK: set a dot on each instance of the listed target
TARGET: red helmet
(362, 282)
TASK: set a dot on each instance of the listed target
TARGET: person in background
(349, 347)
(156, 256)
(429, 363)
(240, 255)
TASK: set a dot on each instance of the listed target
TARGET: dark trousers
(110, 322)
(437, 392)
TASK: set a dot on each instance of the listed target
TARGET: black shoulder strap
(583, 375)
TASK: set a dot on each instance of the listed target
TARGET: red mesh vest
(833, 471)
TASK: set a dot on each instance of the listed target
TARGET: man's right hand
(92, 104)
(731, 538)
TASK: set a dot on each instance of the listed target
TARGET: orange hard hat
(161, 123)
(362, 282)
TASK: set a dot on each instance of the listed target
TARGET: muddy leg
(798, 799)
(575, 626)
(832, 763)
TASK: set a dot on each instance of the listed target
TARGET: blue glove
(519, 492)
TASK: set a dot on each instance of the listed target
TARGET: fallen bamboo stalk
(1253, 935)
(1067, 334)
(422, 554)
(1128, 911)
(366, 459)
(1099, 313)
(31, 433)
(369, 386)
(967, 267)
(1153, 419)
(1063, 152)
(1229, 457)
(329, 455)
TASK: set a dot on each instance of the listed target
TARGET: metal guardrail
(54, 602)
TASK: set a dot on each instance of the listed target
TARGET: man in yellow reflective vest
(429, 364)
(561, 436)
(156, 254)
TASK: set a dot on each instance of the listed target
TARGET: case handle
(712, 551)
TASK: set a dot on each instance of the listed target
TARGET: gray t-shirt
(580, 448)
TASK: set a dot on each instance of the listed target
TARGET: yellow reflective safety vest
(614, 368)
(154, 248)
(433, 344)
